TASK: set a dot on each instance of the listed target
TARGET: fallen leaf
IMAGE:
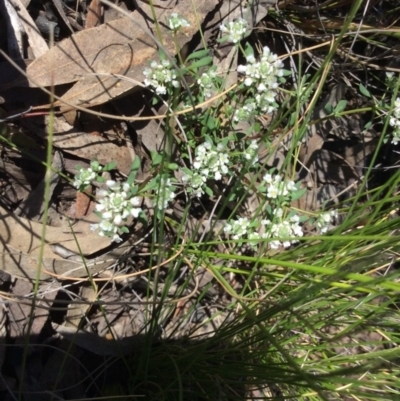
(79, 55)
(25, 235)
(93, 17)
(90, 147)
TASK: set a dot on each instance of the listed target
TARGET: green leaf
(211, 123)
(143, 219)
(329, 108)
(124, 229)
(368, 125)
(149, 186)
(187, 171)
(172, 166)
(200, 63)
(340, 106)
(156, 158)
(303, 219)
(364, 90)
(110, 166)
(208, 191)
(248, 50)
(298, 194)
(231, 196)
(135, 166)
(198, 55)
(134, 170)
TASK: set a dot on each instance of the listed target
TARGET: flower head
(115, 205)
(161, 76)
(235, 30)
(176, 22)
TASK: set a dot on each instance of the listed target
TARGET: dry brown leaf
(93, 17)
(80, 54)
(25, 266)
(25, 235)
(74, 57)
(96, 88)
(21, 241)
(90, 147)
(131, 58)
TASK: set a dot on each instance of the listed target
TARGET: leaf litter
(87, 68)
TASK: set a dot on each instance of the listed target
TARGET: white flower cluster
(160, 76)
(247, 112)
(277, 187)
(263, 76)
(87, 175)
(208, 163)
(206, 81)
(238, 228)
(324, 220)
(251, 152)
(115, 205)
(165, 194)
(235, 30)
(395, 122)
(176, 22)
(282, 230)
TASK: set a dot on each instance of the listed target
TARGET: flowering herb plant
(212, 157)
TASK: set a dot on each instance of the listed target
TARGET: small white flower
(100, 207)
(261, 88)
(161, 90)
(274, 244)
(267, 178)
(111, 183)
(134, 201)
(248, 81)
(251, 59)
(106, 226)
(117, 220)
(94, 227)
(272, 192)
(116, 238)
(135, 212)
(107, 215)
